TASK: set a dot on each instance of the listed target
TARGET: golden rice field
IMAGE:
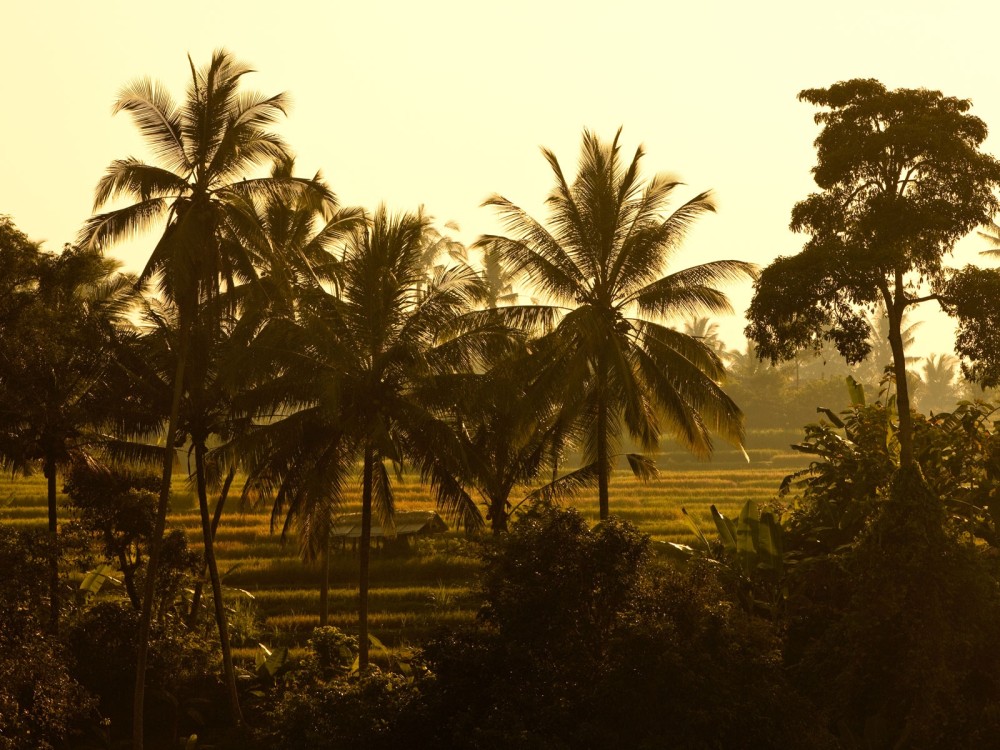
(412, 594)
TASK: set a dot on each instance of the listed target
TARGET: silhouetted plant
(603, 256)
(208, 149)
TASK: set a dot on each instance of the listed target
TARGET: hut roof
(405, 523)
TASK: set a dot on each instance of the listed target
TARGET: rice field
(274, 595)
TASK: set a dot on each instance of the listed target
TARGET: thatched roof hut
(406, 525)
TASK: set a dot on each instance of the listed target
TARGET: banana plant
(751, 552)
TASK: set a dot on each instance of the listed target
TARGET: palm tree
(992, 236)
(604, 251)
(208, 150)
(295, 236)
(939, 386)
(510, 432)
(497, 280)
(880, 360)
(364, 368)
(55, 372)
(704, 328)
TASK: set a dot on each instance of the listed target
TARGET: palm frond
(566, 486)
(158, 119)
(134, 178)
(102, 230)
(643, 467)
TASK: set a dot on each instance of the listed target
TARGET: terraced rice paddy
(414, 593)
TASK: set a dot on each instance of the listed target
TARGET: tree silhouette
(361, 369)
(939, 390)
(208, 150)
(604, 253)
(901, 180)
(58, 323)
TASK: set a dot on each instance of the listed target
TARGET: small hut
(407, 525)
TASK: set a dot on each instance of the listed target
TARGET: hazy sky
(444, 103)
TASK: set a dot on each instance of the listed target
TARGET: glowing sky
(444, 103)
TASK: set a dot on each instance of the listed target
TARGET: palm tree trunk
(216, 519)
(153, 564)
(324, 588)
(213, 570)
(128, 578)
(498, 516)
(366, 541)
(603, 467)
(50, 475)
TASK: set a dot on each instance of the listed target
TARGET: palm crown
(208, 150)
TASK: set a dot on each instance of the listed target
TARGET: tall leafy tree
(901, 179)
(209, 149)
(363, 371)
(58, 322)
(602, 259)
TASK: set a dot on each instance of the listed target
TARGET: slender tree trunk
(902, 392)
(213, 570)
(498, 515)
(216, 519)
(895, 313)
(324, 587)
(128, 578)
(50, 475)
(366, 541)
(603, 464)
(153, 563)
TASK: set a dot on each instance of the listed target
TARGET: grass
(415, 594)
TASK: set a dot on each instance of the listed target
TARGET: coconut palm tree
(704, 328)
(992, 236)
(879, 361)
(603, 258)
(497, 280)
(939, 387)
(209, 151)
(363, 368)
(293, 237)
(58, 328)
(510, 432)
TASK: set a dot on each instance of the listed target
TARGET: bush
(902, 649)
(586, 642)
(40, 703)
(326, 706)
(181, 678)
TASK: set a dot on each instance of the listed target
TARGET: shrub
(902, 648)
(326, 706)
(586, 642)
(40, 703)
